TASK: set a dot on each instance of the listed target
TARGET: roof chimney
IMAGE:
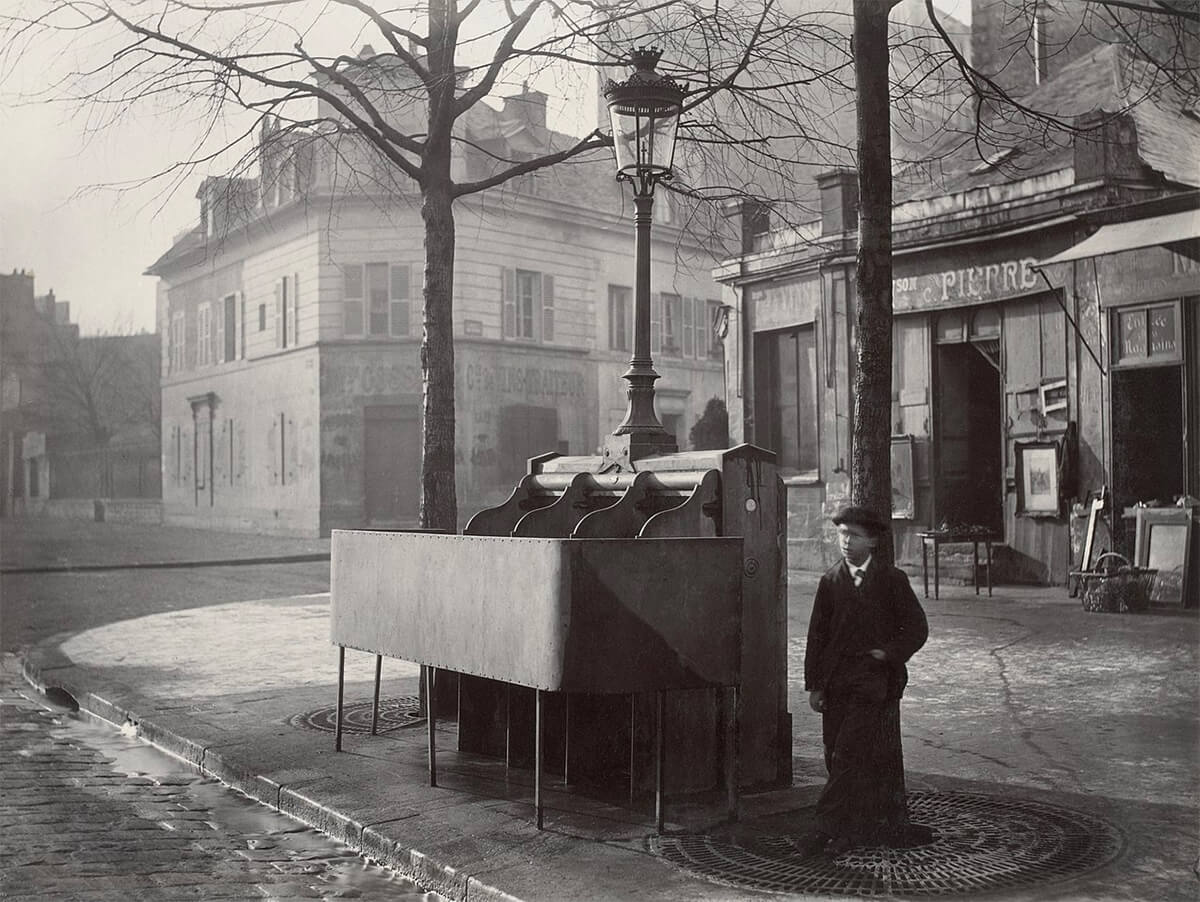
(839, 201)
(528, 106)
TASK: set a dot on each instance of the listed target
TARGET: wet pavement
(91, 812)
(1055, 749)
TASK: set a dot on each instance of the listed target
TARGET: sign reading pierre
(965, 285)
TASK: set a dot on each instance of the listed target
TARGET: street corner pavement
(258, 646)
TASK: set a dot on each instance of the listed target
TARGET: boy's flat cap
(861, 516)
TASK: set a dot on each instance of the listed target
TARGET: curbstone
(170, 741)
(432, 875)
(478, 891)
(319, 816)
(239, 778)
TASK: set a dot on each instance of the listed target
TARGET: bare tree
(258, 65)
(102, 385)
(770, 87)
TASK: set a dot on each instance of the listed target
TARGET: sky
(74, 207)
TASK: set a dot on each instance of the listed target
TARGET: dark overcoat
(848, 621)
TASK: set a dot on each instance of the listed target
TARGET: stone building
(1008, 346)
(291, 317)
(27, 347)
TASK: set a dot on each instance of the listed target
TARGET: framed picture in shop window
(1037, 479)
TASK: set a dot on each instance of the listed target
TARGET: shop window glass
(950, 327)
(985, 323)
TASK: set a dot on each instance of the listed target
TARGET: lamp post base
(624, 450)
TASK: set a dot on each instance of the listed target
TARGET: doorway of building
(1147, 437)
(969, 440)
(525, 431)
(391, 465)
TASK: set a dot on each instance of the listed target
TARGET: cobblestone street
(89, 813)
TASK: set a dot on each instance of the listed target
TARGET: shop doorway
(968, 436)
(1147, 436)
(391, 465)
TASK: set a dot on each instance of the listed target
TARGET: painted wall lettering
(526, 382)
(966, 285)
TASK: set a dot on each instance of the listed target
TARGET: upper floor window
(287, 311)
(680, 326)
(712, 342)
(375, 300)
(528, 305)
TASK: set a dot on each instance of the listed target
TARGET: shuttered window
(377, 300)
(527, 305)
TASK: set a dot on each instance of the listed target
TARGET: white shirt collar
(861, 568)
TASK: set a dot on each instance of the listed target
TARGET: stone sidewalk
(1056, 749)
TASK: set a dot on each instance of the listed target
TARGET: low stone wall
(129, 510)
(111, 510)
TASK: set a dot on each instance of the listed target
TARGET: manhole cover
(981, 844)
(394, 713)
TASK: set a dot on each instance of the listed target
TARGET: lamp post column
(640, 434)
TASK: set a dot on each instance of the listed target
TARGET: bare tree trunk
(439, 505)
(439, 508)
(871, 476)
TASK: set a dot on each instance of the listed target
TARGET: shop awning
(1129, 236)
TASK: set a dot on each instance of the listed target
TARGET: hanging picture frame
(1037, 479)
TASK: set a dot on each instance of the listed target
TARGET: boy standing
(866, 623)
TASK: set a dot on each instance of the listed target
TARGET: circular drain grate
(394, 713)
(981, 844)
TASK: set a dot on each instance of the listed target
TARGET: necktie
(858, 577)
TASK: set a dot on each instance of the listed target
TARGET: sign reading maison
(965, 285)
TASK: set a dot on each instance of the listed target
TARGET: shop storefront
(1138, 286)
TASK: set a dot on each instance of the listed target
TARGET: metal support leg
(337, 723)
(429, 672)
(537, 757)
(659, 757)
(731, 750)
(507, 725)
(975, 565)
(988, 550)
(925, 564)
(566, 737)
(375, 703)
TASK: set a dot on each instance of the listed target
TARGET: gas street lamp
(645, 112)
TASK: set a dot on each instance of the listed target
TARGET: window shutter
(278, 315)
(399, 295)
(655, 323)
(508, 279)
(218, 345)
(689, 345)
(241, 305)
(296, 308)
(547, 308)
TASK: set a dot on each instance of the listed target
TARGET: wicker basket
(1115, 586)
